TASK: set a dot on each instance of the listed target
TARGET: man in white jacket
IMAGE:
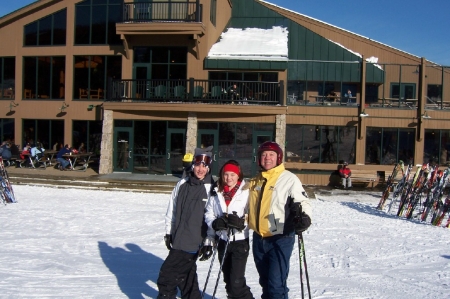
(225, 216)
(276, 200)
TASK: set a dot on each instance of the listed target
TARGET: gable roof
(26, 10)
(306, 49)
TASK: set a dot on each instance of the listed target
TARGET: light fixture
(417, 71)
(90, 107)
(363, 114)
(425, 115)
(12, 105)
(63, 107)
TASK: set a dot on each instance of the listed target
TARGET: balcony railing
(198, 91)
(162, 11)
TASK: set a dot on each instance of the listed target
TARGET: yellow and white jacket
(272, 194)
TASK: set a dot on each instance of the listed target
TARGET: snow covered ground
(103, 244)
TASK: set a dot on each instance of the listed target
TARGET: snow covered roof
(252, 44)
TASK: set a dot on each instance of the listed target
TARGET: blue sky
(414, 26)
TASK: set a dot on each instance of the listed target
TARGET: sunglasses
(206, 160)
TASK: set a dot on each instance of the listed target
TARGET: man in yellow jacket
(279, 208)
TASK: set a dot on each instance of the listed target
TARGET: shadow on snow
(372, 210)
(132, 268)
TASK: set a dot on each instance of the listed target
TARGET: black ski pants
(234, 268)
(179, 270)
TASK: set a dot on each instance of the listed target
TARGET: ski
(424, 182)
(400, 188)
(6, 190)
(390, 183)
(436, 193)
(404, 200)
(441, 214)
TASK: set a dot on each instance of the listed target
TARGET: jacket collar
(274, 171)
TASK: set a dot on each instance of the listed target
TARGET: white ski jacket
(216, 207)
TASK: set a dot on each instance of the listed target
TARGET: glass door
(142, 74)
(207, 138)
(176, 145)
(123, 149)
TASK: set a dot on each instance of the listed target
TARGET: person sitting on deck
(63, 162)
(346, 176)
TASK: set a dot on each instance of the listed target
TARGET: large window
(48, 31)
(213, 12)
(44, 77)
(403, 91)
(386, 146)
(164, 62)
(7, 129)
(88, 134)
(437, 146)
(434, 93)
(95, 22)
(320, 144)
(240, 76)
(48, 132)
(7, 77)
(92, 74)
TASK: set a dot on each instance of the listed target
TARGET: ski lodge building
(141, 83)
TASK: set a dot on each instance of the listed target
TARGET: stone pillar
(191, 134)
(106, 156)
(280, 131)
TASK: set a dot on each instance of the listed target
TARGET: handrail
(192, 90)
(162, 11)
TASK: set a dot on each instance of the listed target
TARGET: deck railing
(198, 91)
(162, 11)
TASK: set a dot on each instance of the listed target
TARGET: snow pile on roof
(371, 59)
(252, 44)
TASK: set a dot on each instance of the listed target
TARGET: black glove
(301, 220)
(168, 240)
(234, 221)
(220, 223)
(302, 223)
(205, 253)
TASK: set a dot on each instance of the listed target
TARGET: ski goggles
(206, 160)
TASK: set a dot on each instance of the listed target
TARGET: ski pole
(301, 269)
(210, 268)
(306, 266)
(221, 264)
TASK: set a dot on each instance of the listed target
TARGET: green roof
(307, 50)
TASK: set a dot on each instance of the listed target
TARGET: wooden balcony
(161, 18)
(196, 91)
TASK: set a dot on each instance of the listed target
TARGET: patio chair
(97, 94)
(216, 92)
(83, 93)
(160, 91)
(179, 92)
(198, 92)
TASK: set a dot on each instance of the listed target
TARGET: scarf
(228, 193)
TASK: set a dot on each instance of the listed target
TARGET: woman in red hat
(226, 217)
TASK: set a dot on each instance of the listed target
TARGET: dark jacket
(15, 152)
(6, 153)
(62, 152)
(185, 214)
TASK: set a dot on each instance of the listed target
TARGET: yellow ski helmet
(188, 157)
